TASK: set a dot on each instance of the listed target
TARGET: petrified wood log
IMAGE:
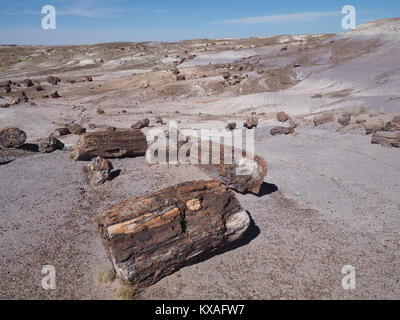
(387, 138)
(243, 172)
(327, 117)
(373, 126)
(110, 144)
(281, 130)
(12, 137)
(150, 237)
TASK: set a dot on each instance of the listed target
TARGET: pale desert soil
(330, 197)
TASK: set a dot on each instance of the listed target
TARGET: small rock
(145, 85)
(111, 129)
(281, 130)
(100, 111)
(24, 97)
(49, 144)
(5, 89)
(159, 120)
(97, 172)
(4, 105)
(28, 83)
(88, 78)
(92, 126)
(55, 95)
(251, 123)
(317, 96)
(76, 129)
(226, 75)
(231, 126)
(59, 132)
(141, 124)
(180, 77)
(53, 80)
(345, 119)
(282, 116)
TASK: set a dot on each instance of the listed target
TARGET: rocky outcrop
(152, 236)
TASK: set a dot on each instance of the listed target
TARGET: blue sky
(95, 21)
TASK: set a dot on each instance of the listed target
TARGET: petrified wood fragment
(150, 237)
(243, 172)
(281, 130)
(327, 117)
(387, 138)
(373, 126)
(97, 172)
(110, 144)
(12, 137)
(282, 116)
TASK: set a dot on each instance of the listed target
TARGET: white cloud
(281, 18)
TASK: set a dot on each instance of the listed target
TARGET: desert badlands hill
(330, 198)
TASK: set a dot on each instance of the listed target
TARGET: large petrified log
(241, 170)
(110, 144)
(386, 138)
(150, 237)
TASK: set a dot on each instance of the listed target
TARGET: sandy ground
(330, 198)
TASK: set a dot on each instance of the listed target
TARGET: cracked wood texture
(110, 144)
(152, 236)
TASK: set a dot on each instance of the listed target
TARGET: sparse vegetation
(105, 275)
(128, 291)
